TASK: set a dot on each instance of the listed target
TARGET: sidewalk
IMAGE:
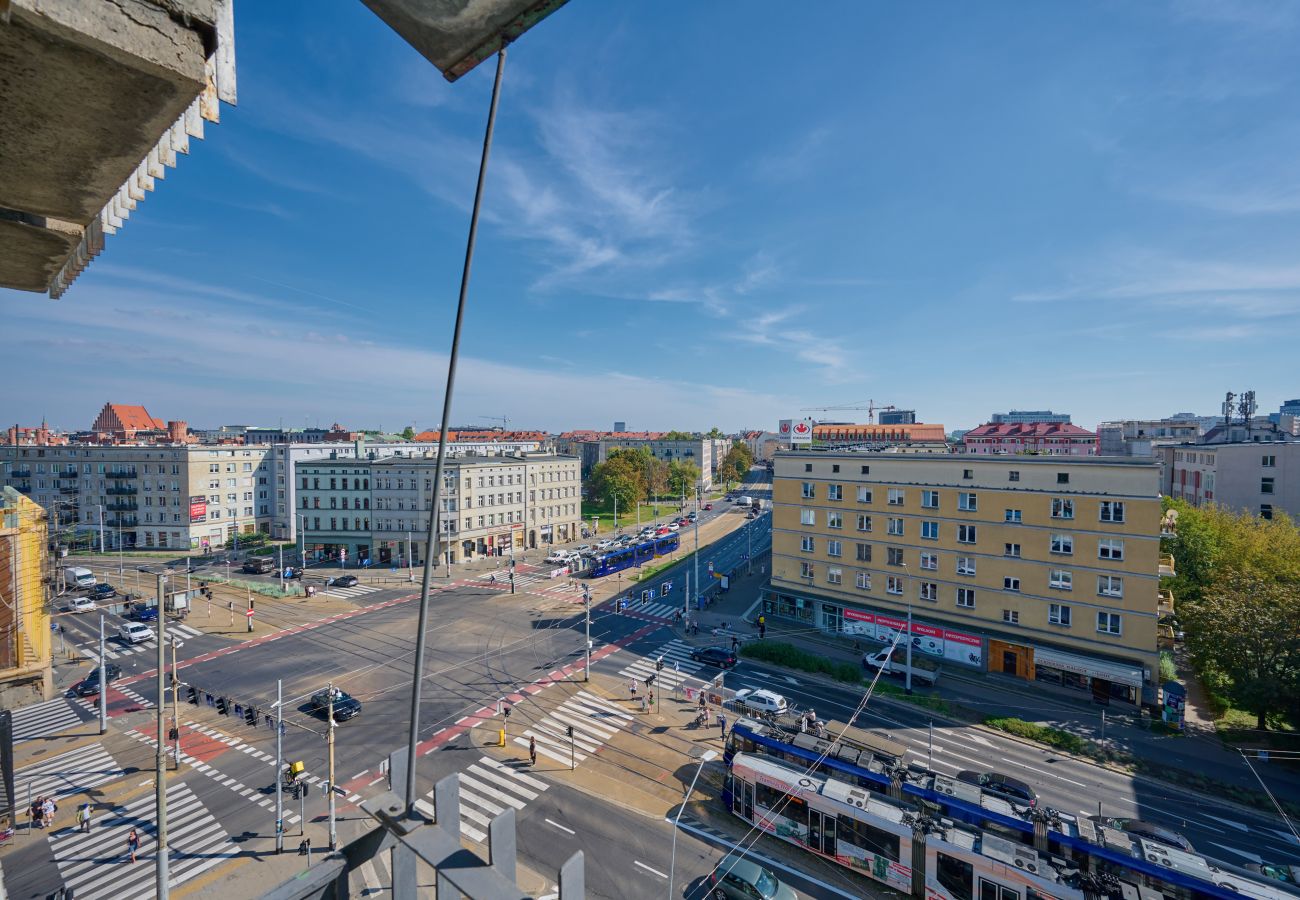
(978, 696)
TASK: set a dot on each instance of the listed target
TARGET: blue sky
(713, 214)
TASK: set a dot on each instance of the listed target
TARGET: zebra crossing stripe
(582, 726)
(69, 773)
(44, 719)
(581, 741)
(544, 750)
(579, 714)
(489, 786)
(515, 774)
(604, 705)
(356, 591)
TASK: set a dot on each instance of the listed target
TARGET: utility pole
(410, 563)
(176, 702)
(103, 685)
(279, 768)
(699, 486)
(281, 567)
(931, 749)
(334, 837)
(101, 528)
(248, 614)
(160, 762)
(586, 602)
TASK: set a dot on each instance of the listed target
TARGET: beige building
(180, 496)
(377, 509)
(1036, 567)
(1261, 479)
(24, 614)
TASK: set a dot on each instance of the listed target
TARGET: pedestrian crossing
(44, 719)
(68, 773)
(678, 666)
(594, 720)
(96, 864)
(354, 591)
(486, 788)
(502, 579)
(115, 648)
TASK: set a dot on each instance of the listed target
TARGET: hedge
(788, 655)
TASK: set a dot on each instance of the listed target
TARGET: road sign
(249, 613)
(651, 592)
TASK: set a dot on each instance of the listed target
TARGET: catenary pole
(161, 877)
(103, 685)
(176, 703)
(279, 767)
(334, 837)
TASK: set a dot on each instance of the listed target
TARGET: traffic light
(250, 715)
(223, 705)
(568, 729)
(192, 695)
(659, 664)
(506, 712)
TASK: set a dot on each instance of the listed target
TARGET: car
(708, 507)
(738, 878)
(673, 526)
(604, 544)
(345, 705)
(999, 785)
(81, 604)
(258, 565)
(660, 532)
(90, 684)
(762, 700)
(144, 613)
(342, 581)
(582, 548)
(1146, 830)
(292, 572)
(103, 591)
(684, 522)
(135, 633)
(714, 656)
(557, 557)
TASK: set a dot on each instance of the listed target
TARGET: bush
(1168, 671)
(782, 654)
(1053, 737)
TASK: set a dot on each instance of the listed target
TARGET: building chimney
(360, 446)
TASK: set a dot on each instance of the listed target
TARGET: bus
(637, 554)
(938, 839)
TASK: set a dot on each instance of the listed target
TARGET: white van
(75, 577)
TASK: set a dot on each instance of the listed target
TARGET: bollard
(501, 737)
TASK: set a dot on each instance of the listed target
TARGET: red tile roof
(1030, 430)
(117, 417)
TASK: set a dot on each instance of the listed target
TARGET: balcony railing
(1167, 565)
(123, 505)
(121, 490)
(23, 488)
(20, 473)
(123, 522)
(67, 474)
(120, 473)
(1165, 603)
(69, 488)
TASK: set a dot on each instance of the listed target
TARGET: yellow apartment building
(25, 673)
(1043, 568)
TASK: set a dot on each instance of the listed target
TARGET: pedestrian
(532, 750)
(37, 812)
(735, 643)
(722, 724)
(650, 700)
(632, 687)
(702, 704)
(133, 843)
(83, 818)
(49, 808)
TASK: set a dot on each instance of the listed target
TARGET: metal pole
(279, 767)
(334, 837)
(103, 685)
(698, 488)
(281, 567)
(302, 535)
(908, 682)
(410, 562)
(708, 755)
(249, 610)
(586, 601)
(931, 745)
(435, 536)
(101, 528)
(160, 762)
(176, 703)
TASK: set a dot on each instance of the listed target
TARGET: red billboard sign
(198, 509)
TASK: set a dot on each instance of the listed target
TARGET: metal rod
(103, 685)
(708, 755)
(279, 767)
(586, 602)
(334, 837)
(160, 762)
(176, 705)
(435, 530)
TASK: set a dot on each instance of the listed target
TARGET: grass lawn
(605, 513)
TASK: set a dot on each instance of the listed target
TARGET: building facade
(1039, 568)
(377, 510)
(897, 417)
(1029, 416)
(1034, 437)
(593, 448)
(1141, 437)
(1261, 479)
(906, 433)
(25, 673)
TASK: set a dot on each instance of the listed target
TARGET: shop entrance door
(1009, 659)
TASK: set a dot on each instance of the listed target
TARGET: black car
(102, 591)
(1148, 830)
(345, 705)
(714, 656)
(343, 581)
(90, 684)
(1000, 785)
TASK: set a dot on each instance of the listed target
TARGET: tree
(735, 464)
(682, 477)
(408, 433)
(620, 476)
(715, 433)
(678, 436)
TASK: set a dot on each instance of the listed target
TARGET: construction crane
(871, 409)
(505, 423)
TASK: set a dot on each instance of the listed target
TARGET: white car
(673, 526)
(81, 604)
(558, 557)
(135, 633)
(762, 701)
(582, 549)
(604, 545)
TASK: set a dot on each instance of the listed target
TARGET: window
(835, 467)
(895, 526)
(1112, 510)
(809, 490)
(1011, 550)
(968, 474)
(863, 581)
(929, 590)
(893, 585)
(806, 570)
(965, 565)
(807, 467)
(807, 517)
(866, 470)
(834, 548)
(930, 499)
(1266, 485)
(967, 502)
(864, 522)
(1110, 623)
(1062, 508)
(834, 575)
(1063, 544)
(863, 552)
(1266, 510)
(966, 598)
(1268, 462)
(930, 561)
(1060, 579)
(1058, 614)
(1011, 616)
(894, 556)
(1013, 475)
(1010, 584)
(1062, 477)
(1110, 549)
(1012, 516)
(930, 531)
(806, 544)
(834, 520)
(834, 492)
(864, 494)
(896, 497)
(1110, 585)
(965, 534)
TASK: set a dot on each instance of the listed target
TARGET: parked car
(103, 591)
(762, 700)
(714, 656)
(90, 684)
(999, 785)
(342, 581)
(145, 613)
(557, 557)
(738, 878)
(135, 633)
(345, 705)
(673, 526)
(923, 670)
(604, 544)
(1147, 830)
(582, 548)
(81, 604)
(662, 530)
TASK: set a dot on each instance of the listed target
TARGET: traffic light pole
(586, 601)
(176, 705)
(161, 876)
(103, 685)
(279, 768)
(334, 837)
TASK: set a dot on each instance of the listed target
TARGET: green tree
(679, 436)
(735, 464)
(682, 477)
(715, 433)
(409, 433)
(620, 476)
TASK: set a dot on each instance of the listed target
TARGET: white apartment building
(1259, 478)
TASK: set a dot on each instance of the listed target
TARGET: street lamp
(707, 755)
(907, 638)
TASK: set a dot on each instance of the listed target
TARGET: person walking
(532, 750)
(48, 809)
(722, 725)
(132, 843)
(83, 818)
(37, 812)
(631, 686)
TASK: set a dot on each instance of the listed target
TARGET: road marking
(376, 781)
(1245, 854)
(559, 826)
(638, 862)
(1228, 822)
(1285, 834)
(1045, 774)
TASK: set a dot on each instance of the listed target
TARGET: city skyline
(715, 241)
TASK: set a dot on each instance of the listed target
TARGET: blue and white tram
(636, 555)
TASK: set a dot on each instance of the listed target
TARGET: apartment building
(181, 496)
(1258, 478)
(593, 447)
(377, 510)
(1029, 416)
(1056, 438)
(1036, 567)
(1142, 437)
(25, 673)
